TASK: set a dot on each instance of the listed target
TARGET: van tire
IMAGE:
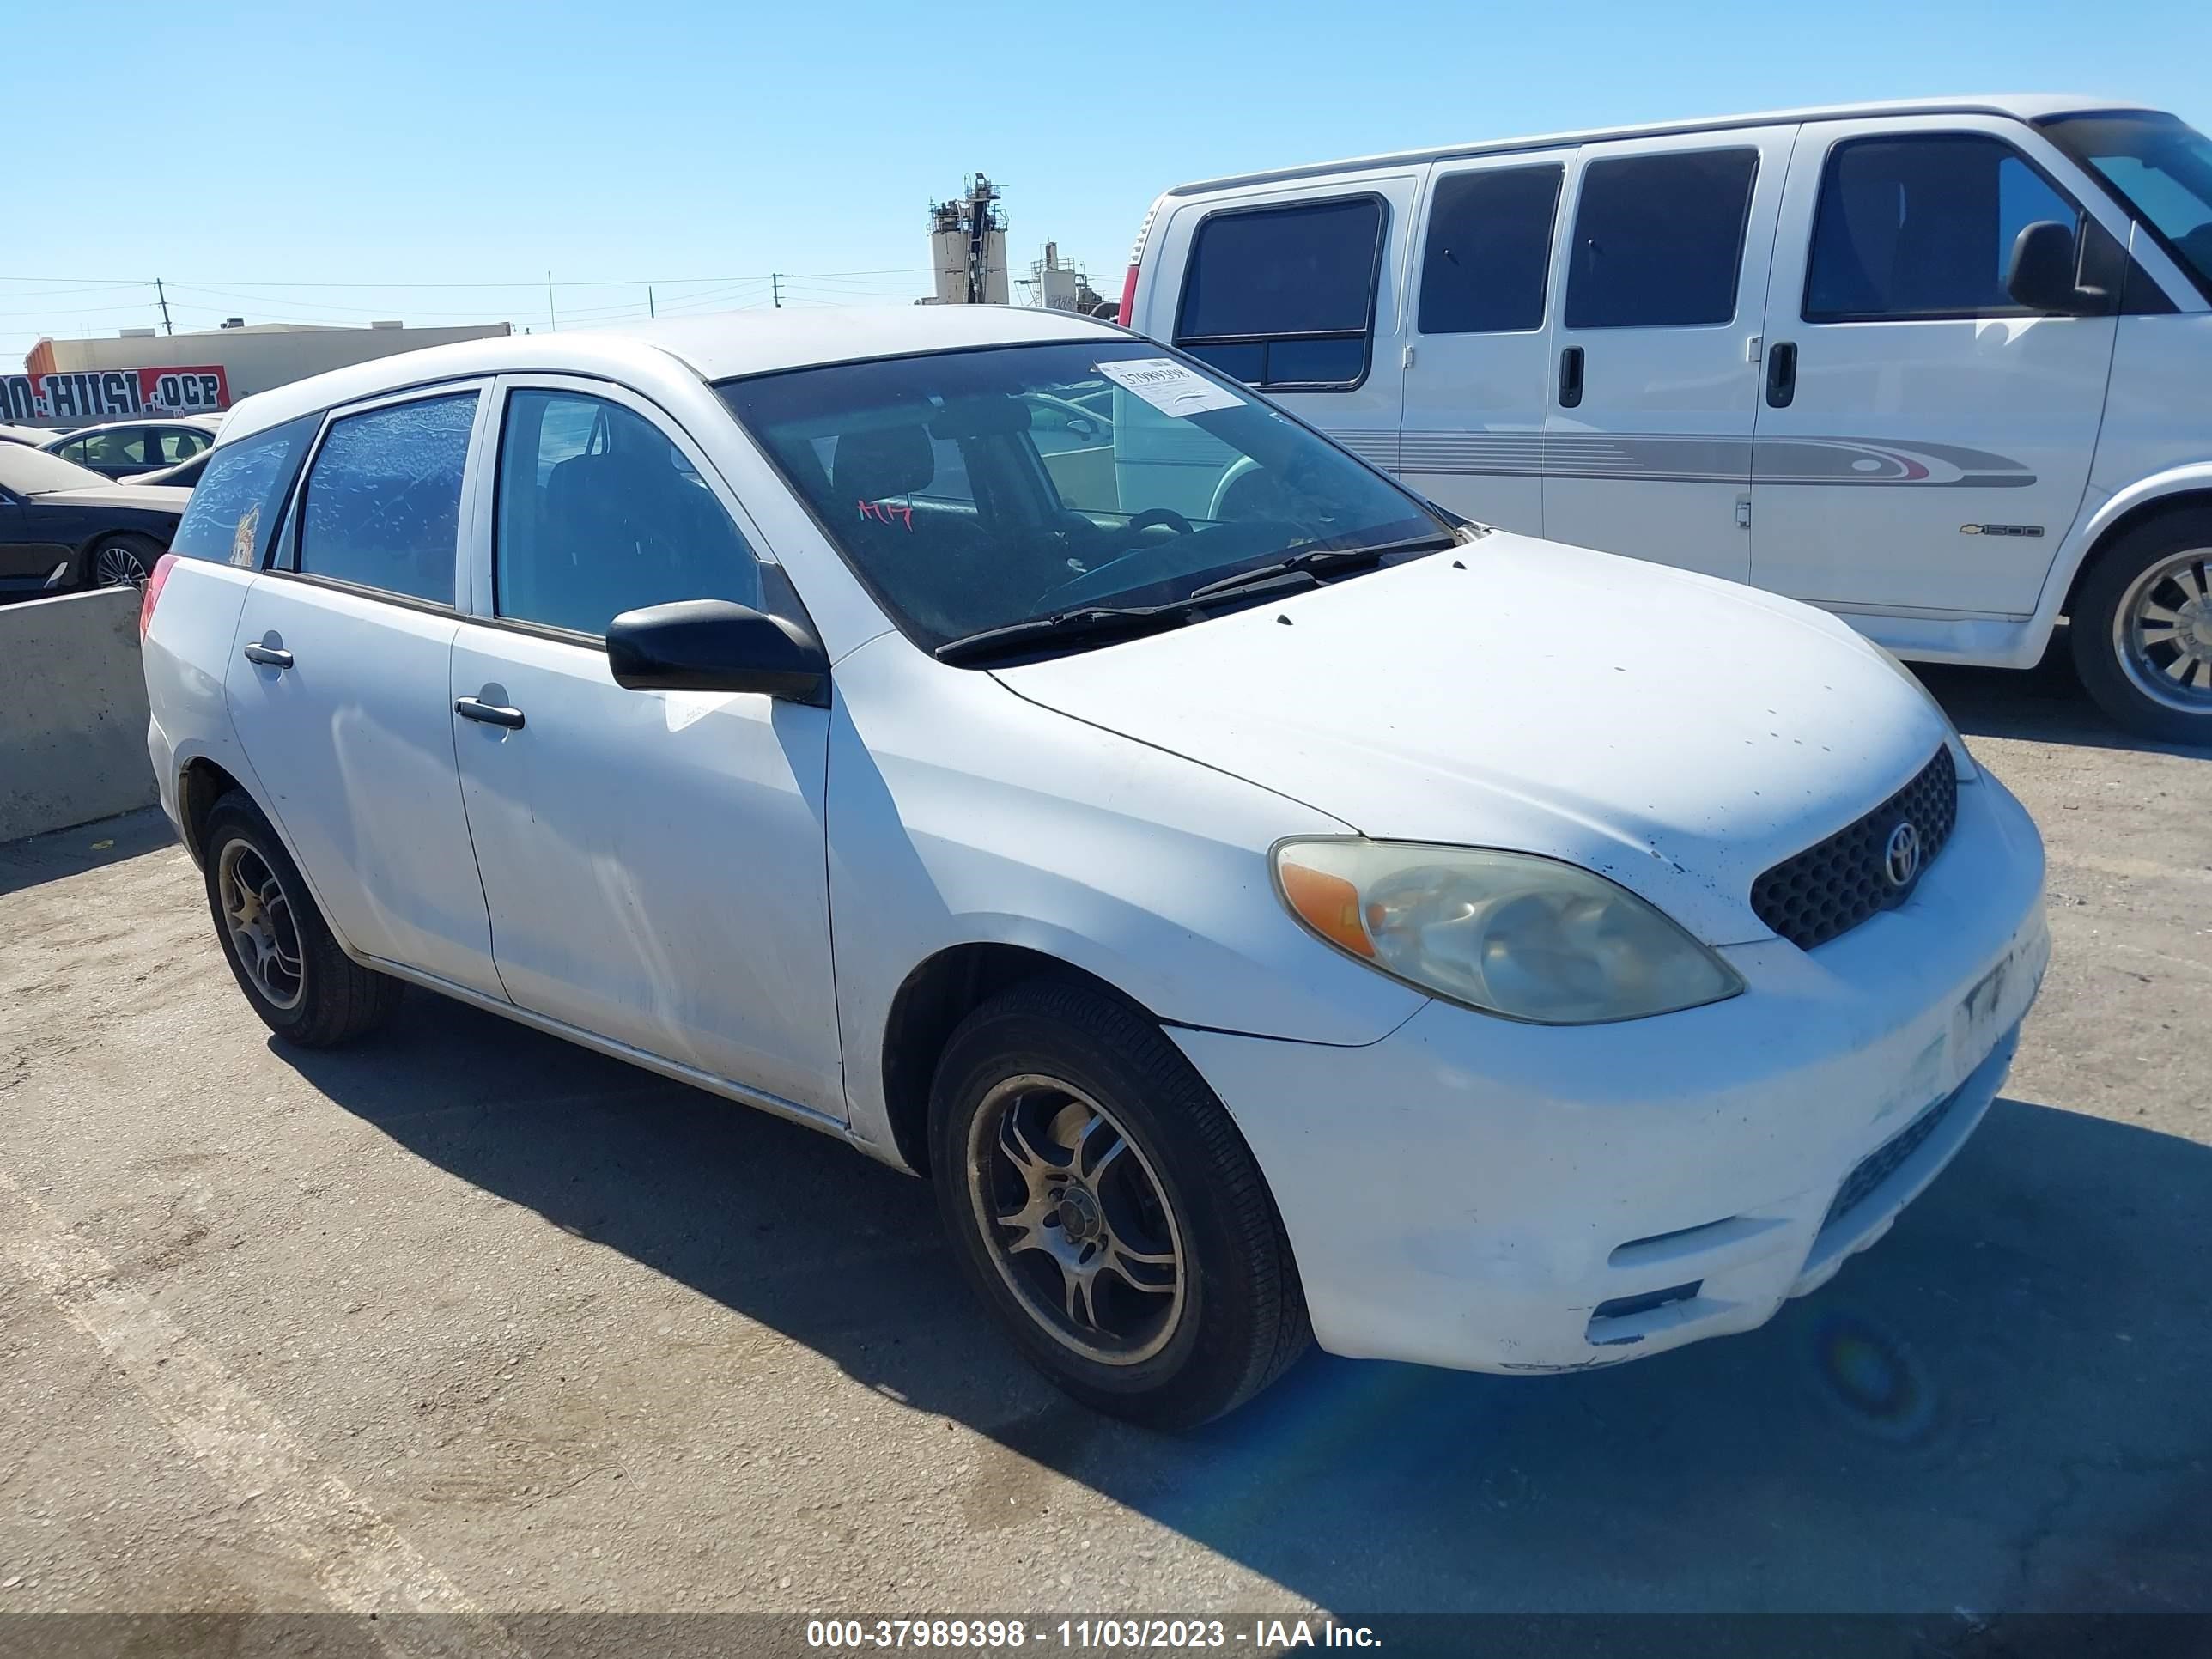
(1239, 1320)
(2114, 587)
(305, 989)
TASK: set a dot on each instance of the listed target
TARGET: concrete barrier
(72, 712)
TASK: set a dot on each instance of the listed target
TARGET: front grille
(1827, 890)
(1878, 1165)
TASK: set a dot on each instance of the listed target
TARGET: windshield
(2161, 168)
(976, 489)
(34, 473)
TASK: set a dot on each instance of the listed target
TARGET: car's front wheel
(305, 989)
(2142, 629)
(1101, 1202)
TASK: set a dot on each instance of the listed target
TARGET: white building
(253, 356)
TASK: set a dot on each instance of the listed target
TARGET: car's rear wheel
(305, 989)
(1104, 1205)
(119, 561)
(2142, 630)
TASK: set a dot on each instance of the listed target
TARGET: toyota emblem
(1901, 859)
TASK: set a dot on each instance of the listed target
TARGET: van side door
(1479, 348)
(1662, 285)
(1924, 440)
(1297, 290)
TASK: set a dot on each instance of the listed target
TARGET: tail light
(152, 592)
(1136, 261)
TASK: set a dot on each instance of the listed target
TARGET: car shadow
(2043, 704)
(59, 852)
(2001, 1406)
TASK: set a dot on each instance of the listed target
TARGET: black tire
(1243, 1314)
(139, 551)
(332, 998)
(2102, 659)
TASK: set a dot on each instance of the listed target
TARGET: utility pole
(649, 311)
(775, 288)
(552, 323)
(163, 297)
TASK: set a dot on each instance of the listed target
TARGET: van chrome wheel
(1075, 1220)
(263, 932)
(2162, 631)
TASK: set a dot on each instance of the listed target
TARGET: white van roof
(2026, 106)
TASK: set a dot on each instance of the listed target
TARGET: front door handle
(1781, 374)
(1571, 377)
(268, 656)
(491, 713)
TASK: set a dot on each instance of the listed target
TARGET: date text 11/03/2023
(1085, 1635)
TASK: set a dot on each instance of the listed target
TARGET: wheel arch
(2184, 490)
(200, 784)
(940, 993)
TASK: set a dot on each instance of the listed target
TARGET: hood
(156, 498)
(1675, 732)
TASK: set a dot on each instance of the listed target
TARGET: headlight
(1509, 933)
(1961, 761)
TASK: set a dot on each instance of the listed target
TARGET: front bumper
(1474, 1192)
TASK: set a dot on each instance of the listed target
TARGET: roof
(714, 347)
(133, 423)
(2025, 106)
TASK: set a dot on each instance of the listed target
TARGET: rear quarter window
(232, 516)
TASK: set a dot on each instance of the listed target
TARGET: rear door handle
(1781, 374)
(268, 656)
(491, 713)
(1571, 377)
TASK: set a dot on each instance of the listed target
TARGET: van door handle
(268, 656)
(1781, 374)
(1571, 377)
(491, 713)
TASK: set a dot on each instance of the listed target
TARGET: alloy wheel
(261, 930)
(2162, 631)
(1075, 1220)
(116, 564)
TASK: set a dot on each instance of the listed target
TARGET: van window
(1922, 226)
(232, 515)
(2162, 170)
(382, 504)
(1659, 239)
(619, 518)
(1489, 251)
(1284, 296)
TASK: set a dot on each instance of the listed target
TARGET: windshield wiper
(1316, 560)
(1092, 622)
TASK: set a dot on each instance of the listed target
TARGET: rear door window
(1659, 239)
(1284, 296)
(1489, 251)
(232, 515)
(381, 508)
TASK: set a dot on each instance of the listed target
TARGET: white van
(1940, 368)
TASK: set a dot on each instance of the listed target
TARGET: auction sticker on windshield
(1167, 387)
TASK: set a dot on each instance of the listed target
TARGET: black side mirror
(2041, 273)
(714, 645)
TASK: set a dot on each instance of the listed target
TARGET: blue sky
(259, 156)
